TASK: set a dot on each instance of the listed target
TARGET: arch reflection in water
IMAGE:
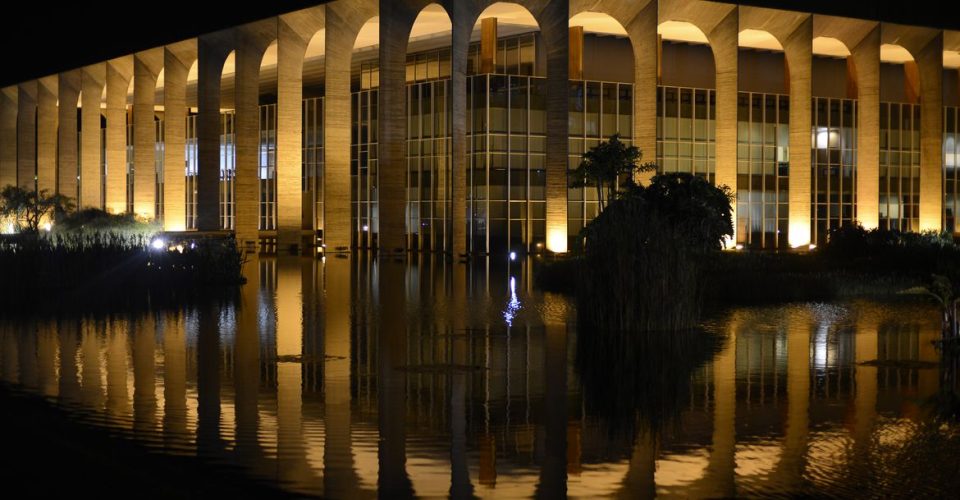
(342, 376)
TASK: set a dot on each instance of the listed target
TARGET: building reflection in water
(342, 376)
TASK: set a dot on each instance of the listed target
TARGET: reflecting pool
(343, 377)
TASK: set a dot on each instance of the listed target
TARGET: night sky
(68, 43)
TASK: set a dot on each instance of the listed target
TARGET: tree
(607, 162)
(26, 209)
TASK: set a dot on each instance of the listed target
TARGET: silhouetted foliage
(607, 163)
(644, 255)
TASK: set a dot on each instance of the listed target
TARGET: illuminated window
(833, 165)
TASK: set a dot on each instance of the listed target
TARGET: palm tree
(607, 162)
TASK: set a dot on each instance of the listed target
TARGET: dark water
(337, 378)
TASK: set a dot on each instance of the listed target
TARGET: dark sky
(81, 33)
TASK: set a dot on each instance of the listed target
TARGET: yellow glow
(896, 54)
(557, 239)
(680, 31)
(759, 39)
(800, 234)
(930, 223)
(827, 46)
(170, 225)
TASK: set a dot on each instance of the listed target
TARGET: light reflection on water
(338, 377)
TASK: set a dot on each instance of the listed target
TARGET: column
(930, 63)
(119, 72)
(555, 31)
(646, 46)
(342, 23)
(68, 160)
(294, 214)
(8, 136)
(866, 60)
(798, 48)
(462, 16)
(212, 51)
(47, 94)
(176, 66)
(92, 81)
(724, 42)
(26, 135)
(146, 68)
(396, 19)
(251, 42)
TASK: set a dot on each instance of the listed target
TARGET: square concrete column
(177, 59)
(866, 60)
(212, 51)
(26, 136)
(68, 161)
(119, 72)
(8, 136)
(396, 20)
(724, 42)
(463, 16)
(91, 172)
(798, 48)
(554, 28)
(930, 63)
(47, 93)
(294, 215)
(343, 22)
(341, 31)
(146, 68)
(643, 34)
(251, 42)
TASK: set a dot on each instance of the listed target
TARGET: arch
(759, 39)
(829, 47)
(682, 31)
(341, 29)
(428, 174)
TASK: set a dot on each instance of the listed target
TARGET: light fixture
(513, 255)
(158, 243)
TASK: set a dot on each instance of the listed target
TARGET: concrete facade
(38, 143)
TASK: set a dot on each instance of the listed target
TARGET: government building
(452, 126)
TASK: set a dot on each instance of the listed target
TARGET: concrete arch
(342, 24)
(212, 52)
(26, 135)
(720, 24)
(433, 22)
(295, 32)
(178, 61)
(119, 79)
(93, 81)
(862, 40)
(68, 162)
(925, 45)
(794, 31)
(147, 68)
(251, 42)
(48, 93)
